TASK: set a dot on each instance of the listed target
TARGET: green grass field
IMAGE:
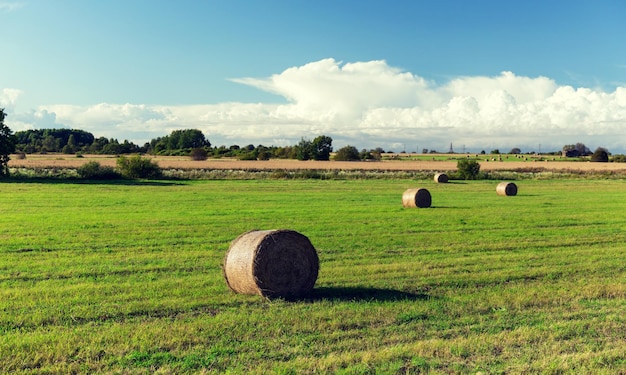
(127, 278)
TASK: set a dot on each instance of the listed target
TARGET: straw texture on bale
(441, 178)
(419, 198)
(506, 188)
(271, 263)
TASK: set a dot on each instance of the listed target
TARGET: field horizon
(405, 162)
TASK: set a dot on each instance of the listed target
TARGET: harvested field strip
(438, 165)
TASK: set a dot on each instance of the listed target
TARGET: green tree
(7, 145)
(98, 145)
(579, 149)
(347, 153)
(53, 140)
(370, 155)
(190, 138)
(321, 147)
(113, 147)
(186, 139)
(600, 155)
(71, 141)
(50, 144)
(468, 169)
(263, 153)
(304, 149)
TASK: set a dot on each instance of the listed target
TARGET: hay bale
(419, 197)
(506, 188)
(441, 178)
(271, 263)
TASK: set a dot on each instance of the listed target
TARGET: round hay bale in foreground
(419, 197)
(441, 178)
(271, 263)
(506, 188)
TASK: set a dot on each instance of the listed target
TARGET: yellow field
(180, 162)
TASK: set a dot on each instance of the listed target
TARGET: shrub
(138, 167)
(247, 156)
(347, 153)
(94, 171)
(619, 158)
(370, 155)
(468, 169)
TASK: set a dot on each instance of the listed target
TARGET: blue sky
(391, 74)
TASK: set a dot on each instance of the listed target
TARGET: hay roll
(441, 178)
(506, 188)
(419, 197)
(271, 263)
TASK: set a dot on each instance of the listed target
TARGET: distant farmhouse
(571, 153)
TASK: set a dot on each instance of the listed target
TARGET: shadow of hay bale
(362, 294)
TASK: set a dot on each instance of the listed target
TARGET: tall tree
(7, 145)
(304, 149)
(579, 148)
(322, 146)
(600, 155)
(53, 140)
(180, 140)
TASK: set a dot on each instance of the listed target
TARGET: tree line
(184, 142)
(178, 143)
(187, 142)
(193, 143)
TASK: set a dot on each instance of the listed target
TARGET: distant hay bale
(441, 178)
(271, 263)
(506, 188)
(419, 197)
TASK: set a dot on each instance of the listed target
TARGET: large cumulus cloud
(372, 104)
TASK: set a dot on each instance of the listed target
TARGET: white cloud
(35, 119)
(39, 119)
(522, 89)
(9, 6)
(328, 90)
(8, 97)
(371, 104)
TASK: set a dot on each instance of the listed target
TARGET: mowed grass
(127, 278)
